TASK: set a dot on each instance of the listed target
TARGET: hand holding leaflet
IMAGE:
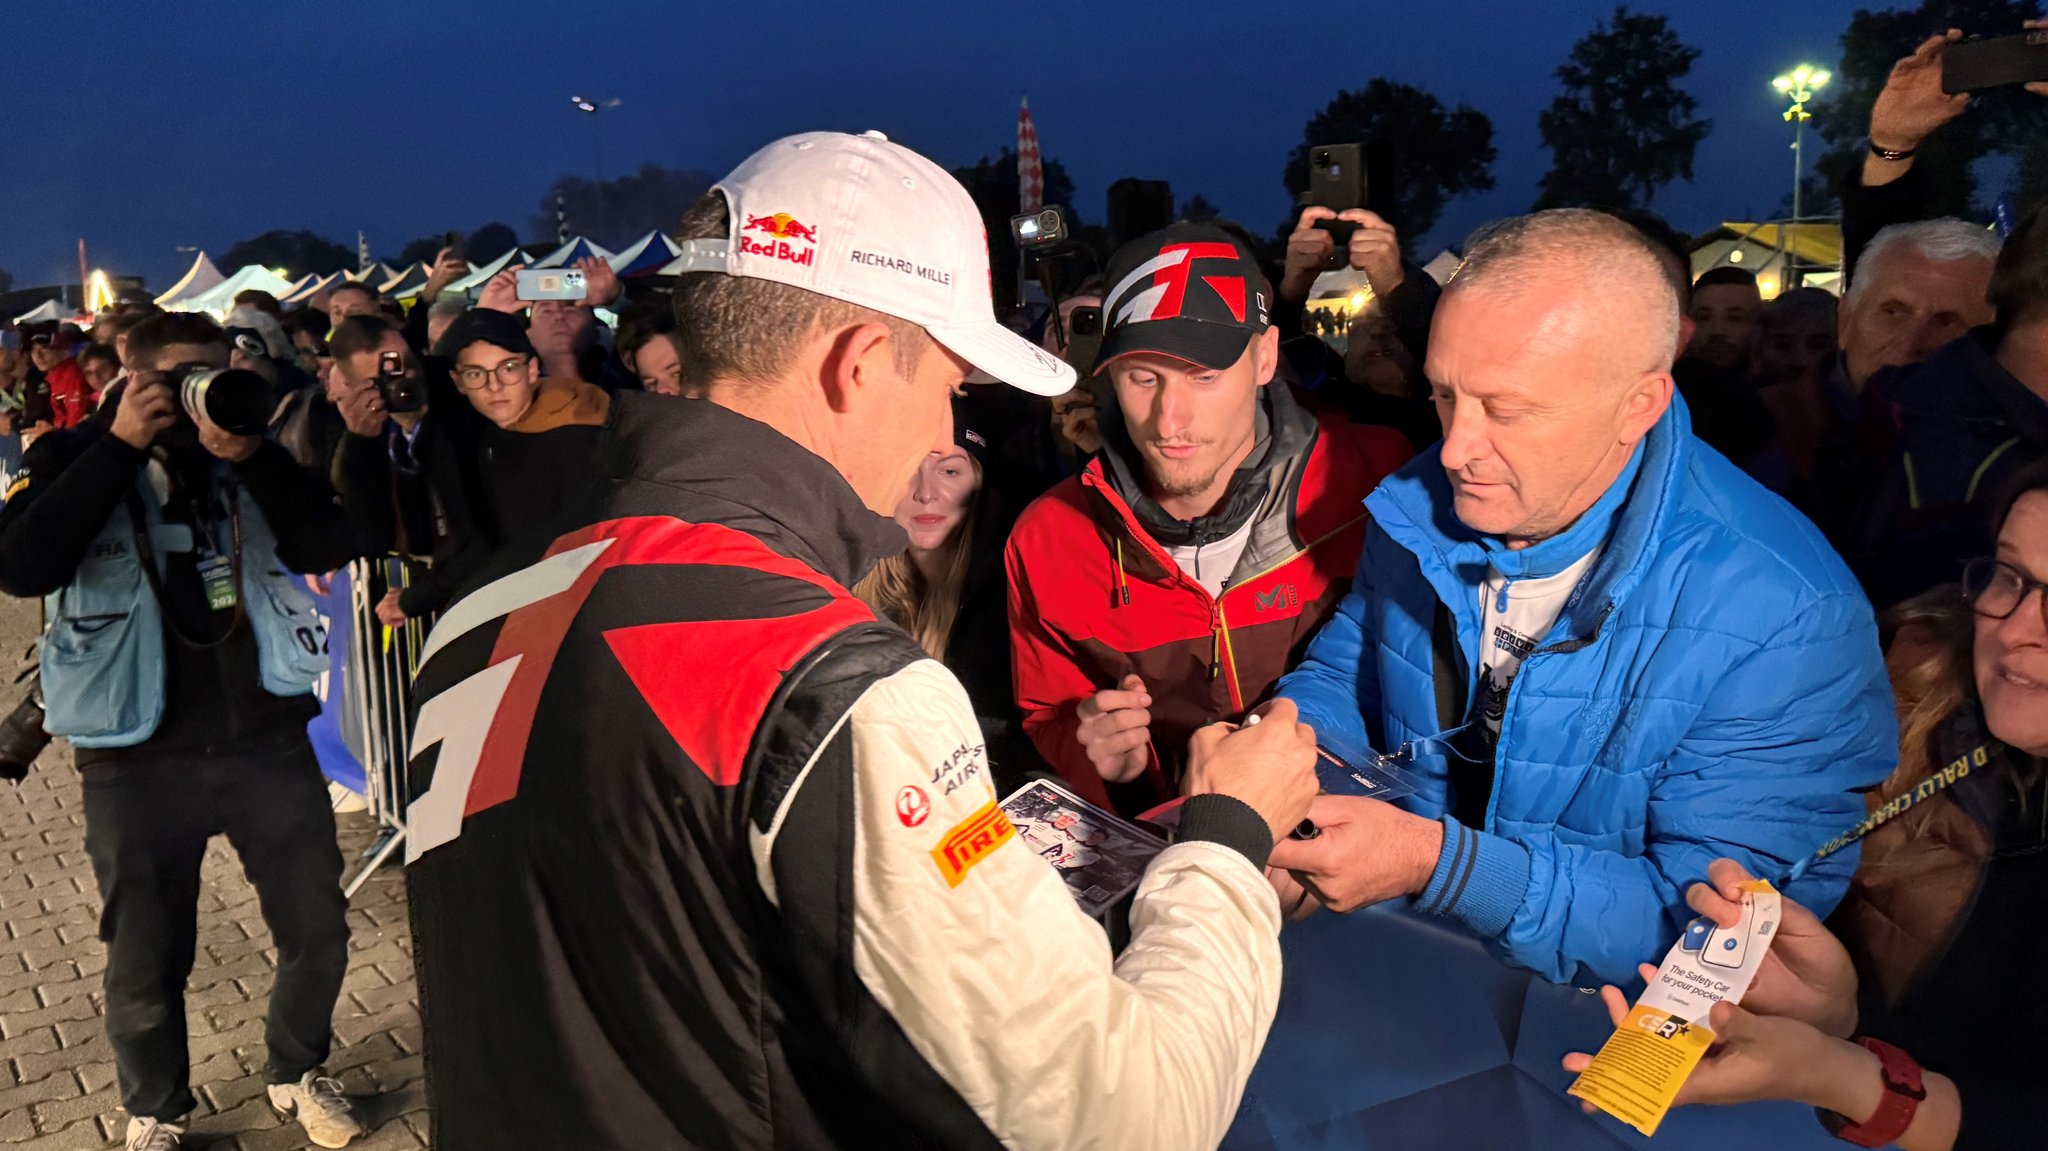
(1636, 1075)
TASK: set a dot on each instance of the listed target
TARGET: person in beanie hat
(534, 443)
(1171, 583)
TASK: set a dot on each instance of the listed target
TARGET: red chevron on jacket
(1094, 598)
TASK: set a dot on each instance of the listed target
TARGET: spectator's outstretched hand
(388, 612)
(601, 284)
(502, 293)
(1754, 1056)
(1912, 105)
(1806, 975)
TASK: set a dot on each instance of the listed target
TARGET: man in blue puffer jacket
(1664, 663)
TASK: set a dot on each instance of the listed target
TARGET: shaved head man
(1545, 394)
(1603, 647)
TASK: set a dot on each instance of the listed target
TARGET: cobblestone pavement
(57, 1088)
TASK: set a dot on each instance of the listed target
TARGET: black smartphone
(1084, 338)
(453, 243)
(1995, 61)
(1336, 180)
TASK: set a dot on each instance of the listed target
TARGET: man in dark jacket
(1172, 582)
(179, 660)
(1968, 417)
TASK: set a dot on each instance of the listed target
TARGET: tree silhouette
(653, 197)
(6, 281)
(1438, 154)
(491, 241)
(420, 251)
(298, 253)
(993, 185)
(1198, 207)
(2005, 122)
(1623, 127)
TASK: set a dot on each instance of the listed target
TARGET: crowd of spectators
(1649, 583)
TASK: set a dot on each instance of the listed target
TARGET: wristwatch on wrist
(1903, 1092)
(1889, 155)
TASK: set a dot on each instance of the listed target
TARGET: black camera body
(22, 737)
(1046, 228)
(401, 392)
(235, 400)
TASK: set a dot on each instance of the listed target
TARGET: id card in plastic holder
(217, 576)
(1344, 769)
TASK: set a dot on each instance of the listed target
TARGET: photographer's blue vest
(103, 647)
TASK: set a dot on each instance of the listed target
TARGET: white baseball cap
(863, 220)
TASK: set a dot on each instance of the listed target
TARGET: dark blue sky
(165, 124)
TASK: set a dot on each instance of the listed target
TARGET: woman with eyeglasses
(1930, 961)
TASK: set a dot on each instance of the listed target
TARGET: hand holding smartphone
(552, 284)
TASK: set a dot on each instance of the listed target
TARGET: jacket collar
(1964, 380)
(758, 473)
(1414, 507)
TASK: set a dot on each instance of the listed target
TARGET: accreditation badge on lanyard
(217, 574)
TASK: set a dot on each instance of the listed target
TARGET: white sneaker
(152, 1135)
(320, 1107)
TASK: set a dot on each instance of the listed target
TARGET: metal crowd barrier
(377, 700)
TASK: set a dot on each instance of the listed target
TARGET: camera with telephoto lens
(402, 391)
(237, 401)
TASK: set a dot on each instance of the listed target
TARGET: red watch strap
(1903, 1091)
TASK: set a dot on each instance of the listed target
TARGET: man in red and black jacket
(1173, 581)
(703, 854)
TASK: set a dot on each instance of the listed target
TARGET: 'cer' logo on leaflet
(784, 228)
(971, 842)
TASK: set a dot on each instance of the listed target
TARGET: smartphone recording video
(552, 284)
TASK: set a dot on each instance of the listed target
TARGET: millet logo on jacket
(1280, 595)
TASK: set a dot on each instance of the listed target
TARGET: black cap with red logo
(1190, 291)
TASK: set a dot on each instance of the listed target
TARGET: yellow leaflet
(1638, 1071)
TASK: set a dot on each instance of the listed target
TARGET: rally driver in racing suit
(692, 860)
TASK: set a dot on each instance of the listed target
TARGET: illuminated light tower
(591, 106)
(1799, 85)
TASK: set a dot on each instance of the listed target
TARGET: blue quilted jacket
(1715, 688)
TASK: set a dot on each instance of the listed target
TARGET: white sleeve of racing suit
(975, 948)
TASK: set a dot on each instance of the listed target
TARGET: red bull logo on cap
(785, 228)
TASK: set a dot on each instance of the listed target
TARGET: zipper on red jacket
(1219, 631)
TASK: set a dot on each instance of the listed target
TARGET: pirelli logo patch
(971, 841)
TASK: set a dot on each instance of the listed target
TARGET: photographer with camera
(407, 466)
(460, 478)
(178, 659)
